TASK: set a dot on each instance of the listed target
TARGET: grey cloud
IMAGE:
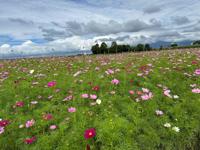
(21, 21)
(97, 29)
(112, 27)
(152, 9)
(52, 34)
(180, 20)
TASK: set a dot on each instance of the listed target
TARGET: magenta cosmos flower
(72, 109)
(47, 116)
(19, 104)
(197, 72)
(4, 123)
(30, 140)
(51, 84)
(90, 133)
(115, 81)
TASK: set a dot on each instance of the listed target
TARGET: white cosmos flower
(98, 101)
(176, 96)
(176, 129)
(31, 71)
(21, 126)
(167, 125)
(34, 102)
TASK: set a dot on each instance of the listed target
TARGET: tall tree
(147, 47)
(103, 48)
(95, 49)
(114, 47)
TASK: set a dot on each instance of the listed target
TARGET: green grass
(121, 123)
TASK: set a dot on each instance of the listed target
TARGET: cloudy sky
(40, 26)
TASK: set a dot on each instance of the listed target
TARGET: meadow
(127, 101)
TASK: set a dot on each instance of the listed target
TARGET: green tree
(95, 49)
(103, 48)
(113, 48)
(147, 47)
(174, 45)
(196, 42)
(139, 48)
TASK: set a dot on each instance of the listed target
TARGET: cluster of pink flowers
(146, 95)
(90, 96)
(143, 95)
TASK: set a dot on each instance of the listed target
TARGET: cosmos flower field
(129, 101)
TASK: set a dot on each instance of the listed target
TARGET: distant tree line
(116, 48)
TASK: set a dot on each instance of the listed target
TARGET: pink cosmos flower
(72, 109)
(145, 90)
(131, 92)
(93, 96)
(90, 133)
(115, 81)
(2, 130)
(51, 84)
(19, 104)
(196, 90)
(30, 140)
(147, 96)
(53, 127)
(109, 71)
(159, 112)
(197, 72)
(85, 96)
(167, 93)
(30, 123)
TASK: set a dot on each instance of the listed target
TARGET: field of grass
(130, 101)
